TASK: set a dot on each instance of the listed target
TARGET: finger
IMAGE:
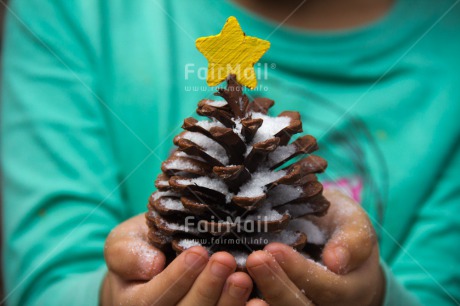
(257, 302)
(208, 287)
(272, 281)
(320, 284)
(353, 237)
(236, 290)
(171, 285)
(129, 255)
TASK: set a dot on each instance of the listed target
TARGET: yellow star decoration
(232, 52)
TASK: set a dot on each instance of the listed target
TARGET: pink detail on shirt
(352, 186)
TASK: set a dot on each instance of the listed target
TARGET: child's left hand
(353, 275)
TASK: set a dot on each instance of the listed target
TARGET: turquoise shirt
(94, 91)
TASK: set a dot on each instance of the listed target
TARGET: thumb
(350, 246)
(129, 255)
(352, 239)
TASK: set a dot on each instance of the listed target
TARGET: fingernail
(193, 259)
(219, 269)
(279, 256)
(262, 270)
(342, 256)
(237, 292)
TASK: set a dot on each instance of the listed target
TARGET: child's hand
(136, 275)
(353, 275)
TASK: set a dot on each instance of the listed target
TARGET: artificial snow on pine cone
(228, 187)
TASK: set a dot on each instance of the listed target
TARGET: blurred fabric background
(2, 14)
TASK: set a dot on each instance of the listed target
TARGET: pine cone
(221, 188)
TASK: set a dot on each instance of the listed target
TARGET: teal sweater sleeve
(427, 264)
(60, 183)
(395, 293)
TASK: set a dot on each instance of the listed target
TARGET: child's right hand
(136, 275)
